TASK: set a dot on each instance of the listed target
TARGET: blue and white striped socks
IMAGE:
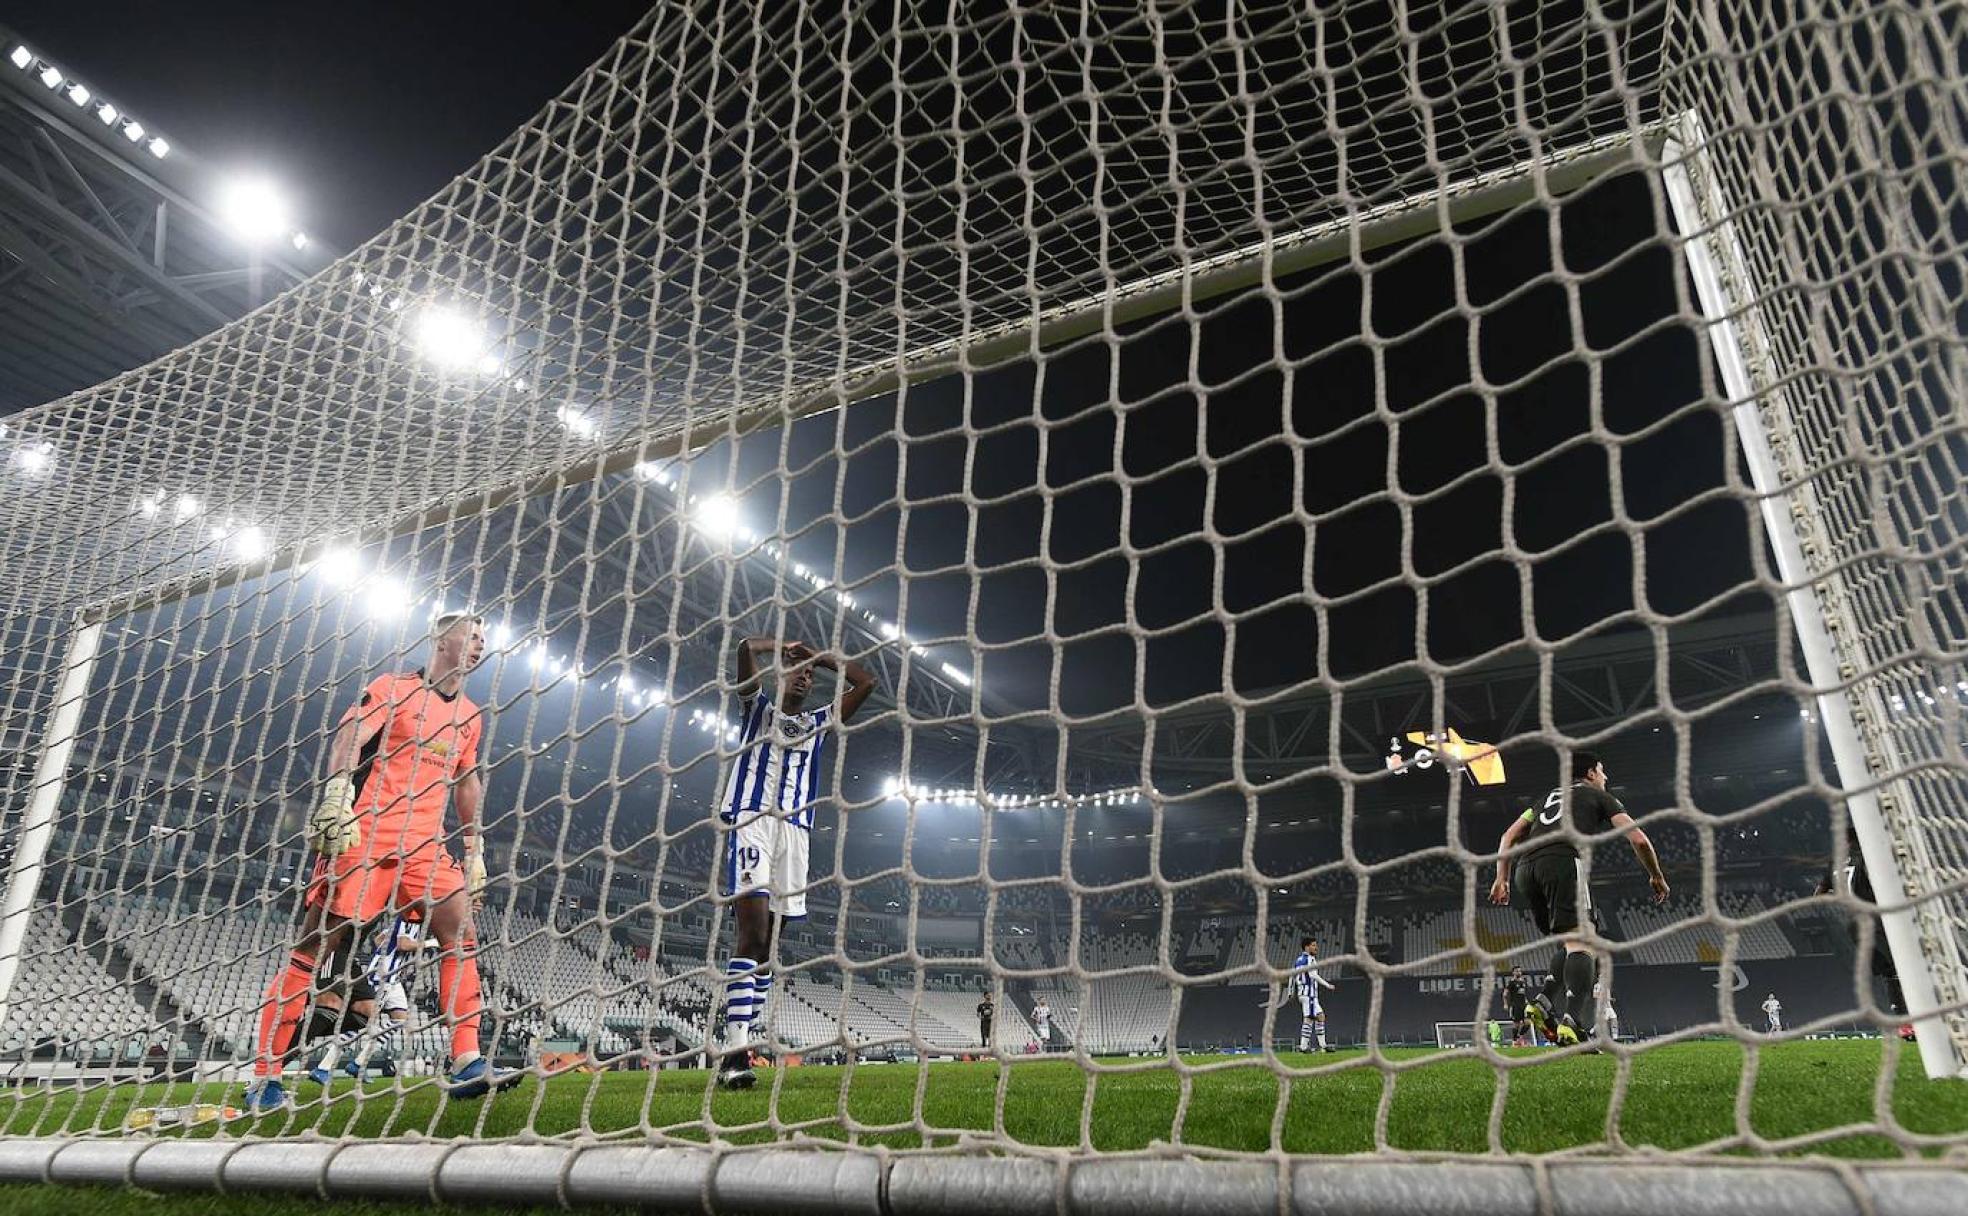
(742, 1000)
(761, 990)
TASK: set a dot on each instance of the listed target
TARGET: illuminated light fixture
(133, 131)
(108, 114)
(51, 76)
(36, 457)
(538, 657)
(158, 147)
(717, 516)
(958, 674)
(578, 422)
(339, 567)
(447, 337)
(78, 92)
(151, 504)
(488, 365)
(252, 207)
(385, 598)
(649, 470)
(889, 631)
(891, 787)
(300, 240)
(251, 543)
(21, 57)
(187, 507)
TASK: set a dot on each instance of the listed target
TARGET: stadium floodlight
(133, 131)
(250, 543)
(889, 629)
(187, 507)
(339, 567)
(579, 422)
(958, 674)
(385, 598)
(36, 457)
(891, 787)
(51, 76)
(158, 147)
(717, 516)
(252, 207)
(300, 240)
(78, 92)
(151, 504)
(21, 57)
(108, 114)
(448, 337)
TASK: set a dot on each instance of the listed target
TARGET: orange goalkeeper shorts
(357, 889)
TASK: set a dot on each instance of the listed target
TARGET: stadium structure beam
(38, 823)
(1759, 403)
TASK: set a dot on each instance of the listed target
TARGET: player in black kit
(1550, 877)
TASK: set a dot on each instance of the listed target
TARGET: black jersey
(1857, 881)
(1589, 808)
(1516, 992)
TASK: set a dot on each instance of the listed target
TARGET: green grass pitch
(1679, 1096)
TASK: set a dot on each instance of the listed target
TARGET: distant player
(1857, 883)
(1602, 996)
(408, 747)
(1042, 1023)
(987, 1010)
(1516, 994)
(774, 783)
(1549, 875)
(1306, 982)
(379, 993)
(1773, 1013)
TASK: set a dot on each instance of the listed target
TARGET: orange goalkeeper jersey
(403, 774)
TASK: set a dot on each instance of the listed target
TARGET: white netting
(1175, 409)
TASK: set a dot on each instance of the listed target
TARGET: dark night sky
(361, 109)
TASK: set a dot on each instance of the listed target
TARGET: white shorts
(1308, 1005)
(765, 855)
(392, 999)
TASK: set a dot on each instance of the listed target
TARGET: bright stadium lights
(108, 114)
(579, 422)
(300, 240)
(958, 674)
(717, 516)
(51, 76)
(152, 504)
(78, 92)
(133, 131)
(889, 630)
(252, 207)
(250, 543)
(386, 599)
(21, 57)
(448, 338)
(339, 567)
(186, 507)
(36, 457)
(158, 147)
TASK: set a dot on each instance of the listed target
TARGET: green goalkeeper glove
(333, 828)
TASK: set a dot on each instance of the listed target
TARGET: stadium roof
(111, 253)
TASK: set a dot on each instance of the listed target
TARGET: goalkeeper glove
(475, 875)
(333, 829)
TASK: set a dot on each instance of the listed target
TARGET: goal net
(1217, 467)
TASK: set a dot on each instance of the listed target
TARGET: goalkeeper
(396, 759)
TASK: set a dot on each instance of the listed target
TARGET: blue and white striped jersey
(778, 768)
(388, 963)
(1306, 980)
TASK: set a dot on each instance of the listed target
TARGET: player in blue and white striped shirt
(1306, 982)
(773, 785)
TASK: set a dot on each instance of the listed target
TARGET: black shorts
(1550, 885)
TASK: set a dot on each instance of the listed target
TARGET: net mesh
(1250, 451)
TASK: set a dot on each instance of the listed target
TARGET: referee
(1551, 878)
